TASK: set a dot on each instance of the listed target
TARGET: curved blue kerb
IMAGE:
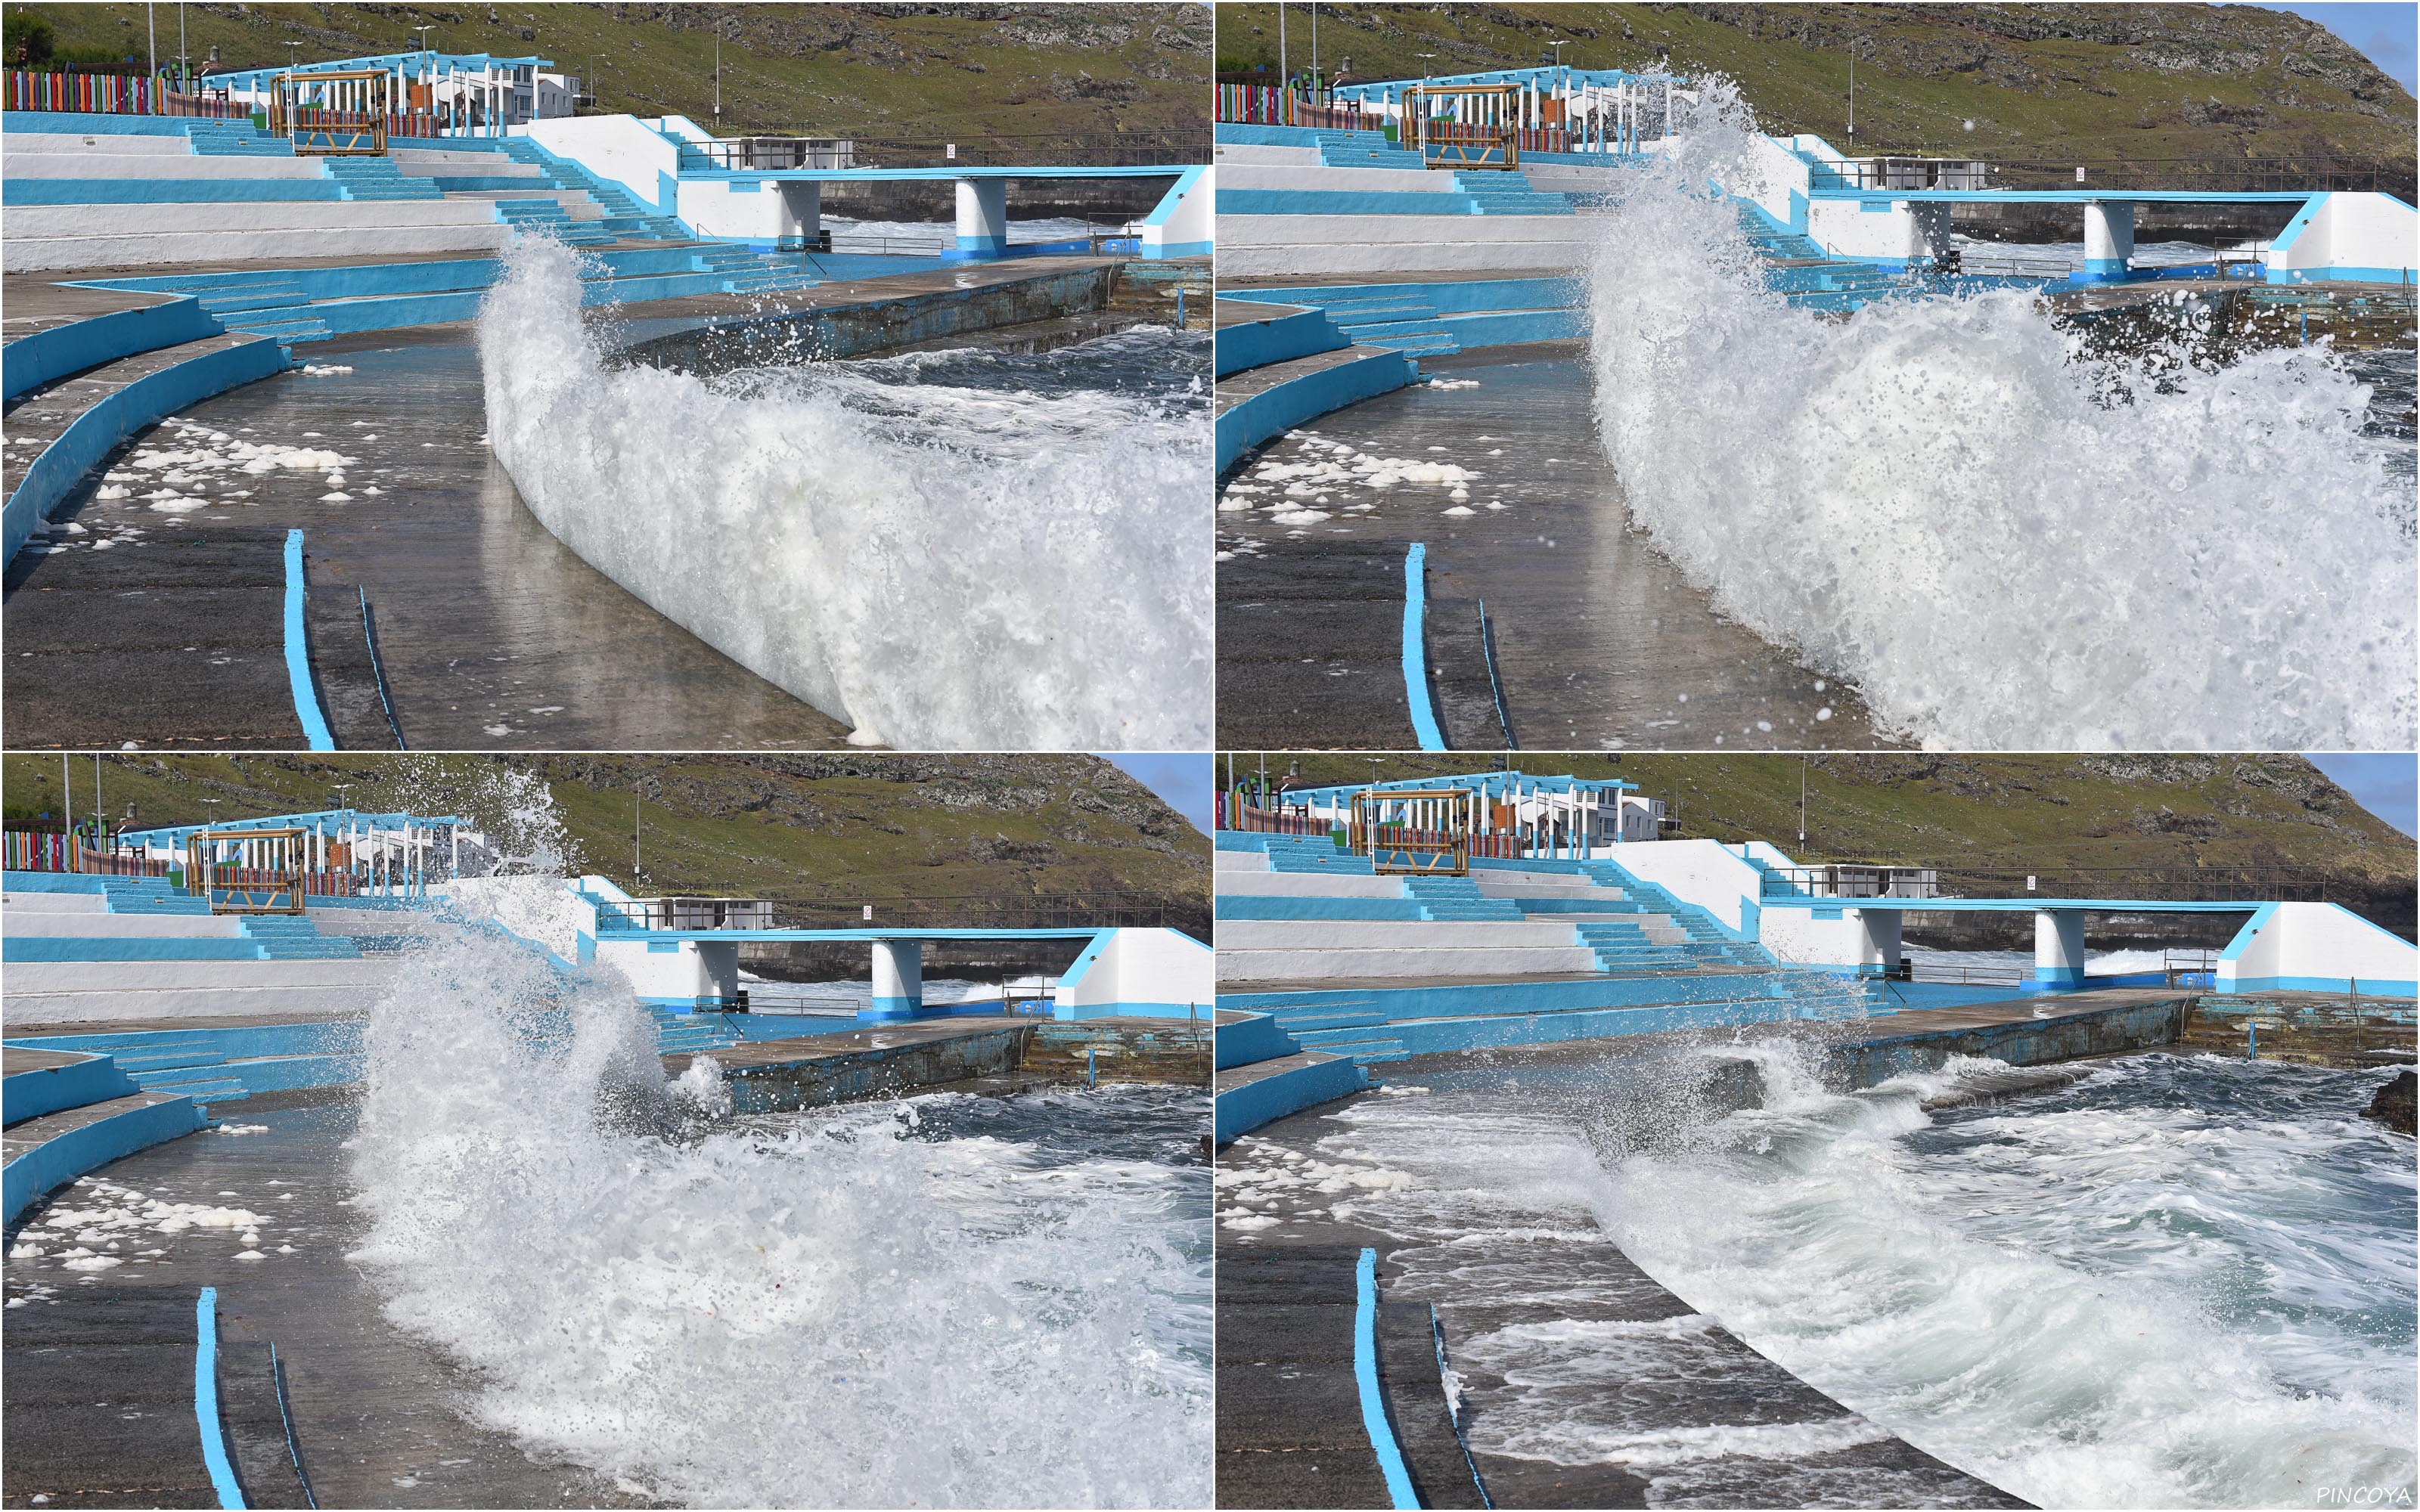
(206, 1400)
(1365, 1375)
(1415, 673)
(298, 652)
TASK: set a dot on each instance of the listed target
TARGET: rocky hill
(873, 828)
(2037, 82)
(934, 72)
(2007, 813)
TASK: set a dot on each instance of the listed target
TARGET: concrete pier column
(2058, 947)
(802, 210)
(1928, 232)
(2108, 238)
(982, 217)
(898, 979)
(718, 972)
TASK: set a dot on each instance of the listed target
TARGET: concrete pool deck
(491, 634)
(1596, 635)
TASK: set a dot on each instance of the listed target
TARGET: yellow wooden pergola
(247, 871)
(1483, 132)
(333, 114)
(1414, 829)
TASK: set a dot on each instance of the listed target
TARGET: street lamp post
(1421, 126)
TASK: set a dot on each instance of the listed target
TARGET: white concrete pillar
(1883, 934)
(898, 979)
(802, 208)
(2058, 947)
(718, 973)
(2108, 238)
(982, 217)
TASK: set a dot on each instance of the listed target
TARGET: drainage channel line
(378, 669)
(286, 1415)
(1453, 1407)
(1494, 683)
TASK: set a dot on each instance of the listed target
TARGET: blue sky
(1181, 780)
(2381, 30)
(2387, 786)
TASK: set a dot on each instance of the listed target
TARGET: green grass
(819, 71)
(2125, 81)
(876, 829)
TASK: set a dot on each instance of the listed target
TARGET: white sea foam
(1033, 581)
(2186, 1281)
(2183, 1284)
(2004, 544)
(821, 1310)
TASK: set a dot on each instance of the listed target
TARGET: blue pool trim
(298, 652)
(1416, 677)
(1365, 1375)
(206, 1400)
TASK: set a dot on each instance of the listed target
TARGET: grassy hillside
(2000, 812)
(820, 70)
(2055, 82)
(872, 828)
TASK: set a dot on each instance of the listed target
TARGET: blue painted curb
(1415, 673)
(298, 652)
(206, 1400)
(1365, 1376)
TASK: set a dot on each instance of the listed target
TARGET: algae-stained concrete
(892, 1059)
(857, 317)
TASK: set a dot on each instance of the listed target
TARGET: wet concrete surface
(1598, 640)
(99, 1383)
(493, 635)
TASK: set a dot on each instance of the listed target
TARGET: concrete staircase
(1799, 267)
(235, 139)
(295, 937)
(380, 179)
(1362, 149)
(1405, 322)
(272, 305)
(149, 895)
(683, 1033)
(1445, 899)
(1509, 193)
(547, 218)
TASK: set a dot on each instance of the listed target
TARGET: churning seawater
(2183, 1281)
(950, 551)
(938, 1301)
(2004, 544)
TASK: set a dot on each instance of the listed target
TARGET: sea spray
(828, 1309)
(2003, 545)
(934, 590)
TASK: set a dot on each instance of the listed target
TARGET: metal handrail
(1016, 911)
(2247, 884)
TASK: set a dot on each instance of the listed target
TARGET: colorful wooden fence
(111, 94)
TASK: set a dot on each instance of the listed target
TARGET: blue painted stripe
(298, 652)
(206, 1400)
(1415, 676)
(1365, 1375)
